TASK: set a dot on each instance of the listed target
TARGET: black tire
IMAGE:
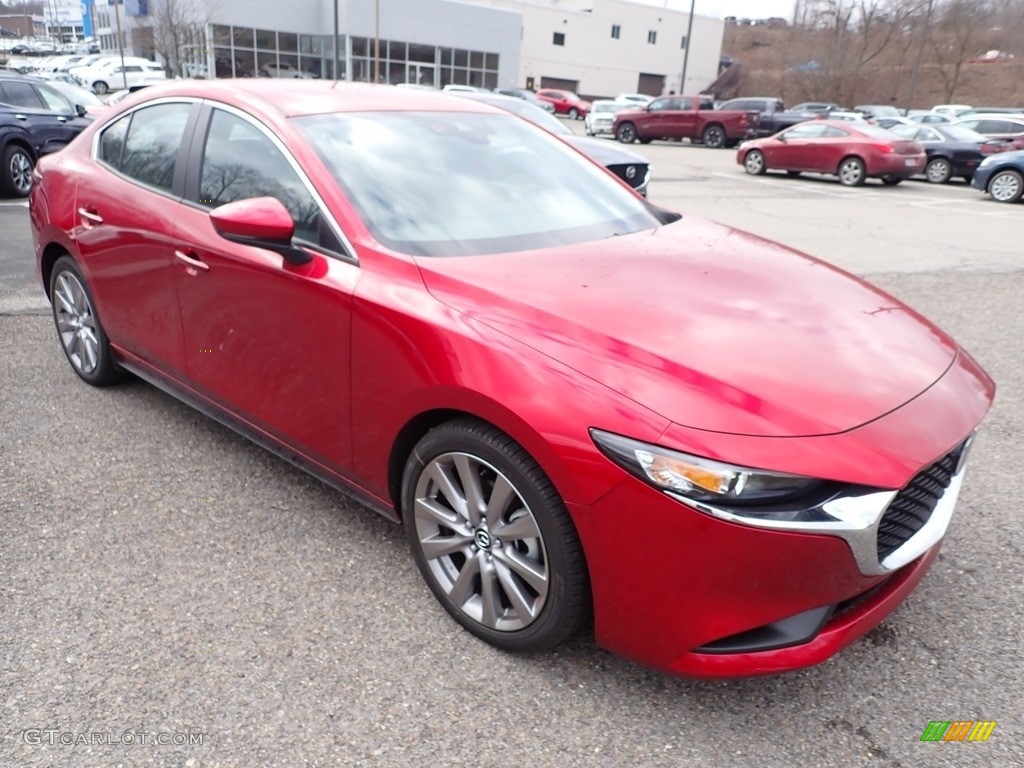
(713, 137)
(939, 170)
(75, 333)
(16, 180)
(626, 133)
(574, 114)
(1006, 186)
(754, 163)
(100, 87)
(892, 181)
(533, 505)
(851, 171)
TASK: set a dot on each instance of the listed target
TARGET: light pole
(120, 41)
(686, 51)
(334, 64)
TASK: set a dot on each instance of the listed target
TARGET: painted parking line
(13, 204)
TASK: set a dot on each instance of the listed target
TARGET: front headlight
(698, 478)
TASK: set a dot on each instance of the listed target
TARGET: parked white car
(951, 109)
(109, 74)
(636, 99)
(283, 69)
(602, 115)
(453, 88)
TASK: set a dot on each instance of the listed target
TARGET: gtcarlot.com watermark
(56, 737)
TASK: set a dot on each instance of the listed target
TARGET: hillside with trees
(886, 52)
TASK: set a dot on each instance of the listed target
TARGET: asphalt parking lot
(158, 574)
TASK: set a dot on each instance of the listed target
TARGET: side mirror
(262, 222)
(81, 110)
(781, 137)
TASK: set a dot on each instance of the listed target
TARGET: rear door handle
(21, 117)
(91, 217)
(188, 261)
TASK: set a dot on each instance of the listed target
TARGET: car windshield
(451, 184)
(959, 133)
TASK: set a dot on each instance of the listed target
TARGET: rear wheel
(1006, 186)
(574, 114)
(78, 327)
(713, 137)
(753, 163)
(100, 87)
(852, 172)
(493, 539)
(17, 172)
(938, 170)
(626, 133)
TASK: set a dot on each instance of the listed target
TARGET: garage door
(560, 84)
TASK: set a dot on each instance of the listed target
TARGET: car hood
(606, 152)
(709, 327)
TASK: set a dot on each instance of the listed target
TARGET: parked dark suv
(35, 119)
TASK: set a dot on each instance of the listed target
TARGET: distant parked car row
(855, 151)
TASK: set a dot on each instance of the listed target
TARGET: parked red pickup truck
(685, 117)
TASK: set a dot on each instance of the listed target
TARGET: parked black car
(952, 150)
(35, 119)
(774, 115)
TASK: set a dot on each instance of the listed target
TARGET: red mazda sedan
(565, 102)
(852, 151)
(736, 458)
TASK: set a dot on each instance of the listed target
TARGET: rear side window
(112, 142)
(19, 94)
(146, 149)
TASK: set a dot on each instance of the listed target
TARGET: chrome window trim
(102, 128)
(350, 256)
(855, 519)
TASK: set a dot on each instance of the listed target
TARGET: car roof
(292, 98)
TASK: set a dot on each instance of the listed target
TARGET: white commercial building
(428, 42)
(607, 47)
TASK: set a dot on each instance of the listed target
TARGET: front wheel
(754, 163)
(79, 329)
(713, 137)
(938, 171)
(17, 172)
(100, 87)
(852, 172)
(1006, 186)
(493, 539)
(626, 133)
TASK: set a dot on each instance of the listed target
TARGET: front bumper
(694, 593)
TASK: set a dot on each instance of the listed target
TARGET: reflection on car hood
(707, 326)
(606, 152)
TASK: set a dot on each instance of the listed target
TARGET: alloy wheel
(21, 172)
(753, 163)
(938, 171)
(76, 323)
(1006, 187)
(851, 172)
(627, 133)
(482, 544)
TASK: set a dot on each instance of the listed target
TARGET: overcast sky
(754, 9)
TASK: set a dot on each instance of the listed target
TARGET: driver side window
(240, 162)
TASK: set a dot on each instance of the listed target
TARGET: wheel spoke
(469, 476)
(429, 509)
(523, 604)
(530, 572)
(489, 595)
(63, 294)
(89, 347)
(440, 546)
(523, 527)
(462, 588)
(442, 477)
(501, 496)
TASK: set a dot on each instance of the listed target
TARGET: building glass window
(243, 37)
(616, 31)
(266, 39)
(652, 37)
(559, 38)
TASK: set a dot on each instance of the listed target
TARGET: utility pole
(686, 51)
(120, 41)
(920, 54)
(334, 68)
(376, 41)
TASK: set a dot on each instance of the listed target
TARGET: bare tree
(961, 29)
(179, 32)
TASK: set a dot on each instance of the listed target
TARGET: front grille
(911, 507)
(622, 171)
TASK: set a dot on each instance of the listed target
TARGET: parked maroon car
(852, 151)
(565, 102)
(577, 403)
(685, 117)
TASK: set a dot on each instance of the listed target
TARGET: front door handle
(21, 117)
(188, 261)
(91, 218)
